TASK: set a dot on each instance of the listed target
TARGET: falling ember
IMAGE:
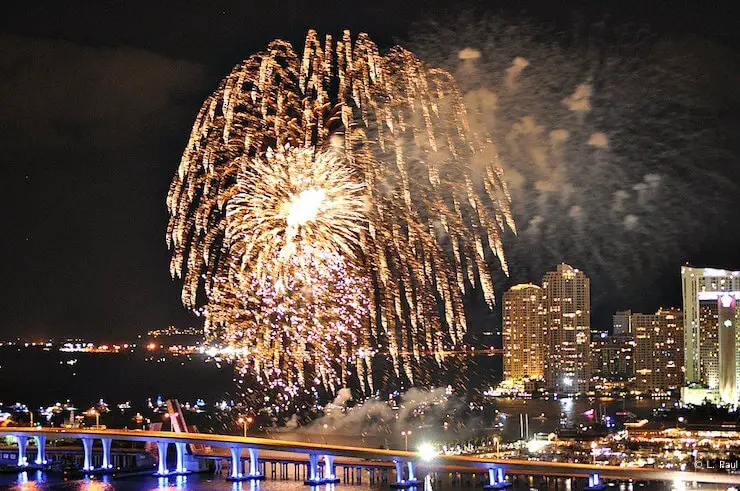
(329, 208)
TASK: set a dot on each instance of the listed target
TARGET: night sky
(96, 104)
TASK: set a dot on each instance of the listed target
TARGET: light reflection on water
(39, 481)
(36, 480)
(545, 415)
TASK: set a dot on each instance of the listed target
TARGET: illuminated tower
(703, 290)
(567, 304)
(523, 334)
(658, 350)
(621, 324)
(728, 349)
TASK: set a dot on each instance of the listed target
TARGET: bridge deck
(299, 451)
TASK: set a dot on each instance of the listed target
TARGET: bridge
(407, 465)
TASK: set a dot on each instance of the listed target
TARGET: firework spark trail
(340, 164)
(281, 332)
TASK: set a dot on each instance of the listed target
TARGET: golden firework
(338, 166)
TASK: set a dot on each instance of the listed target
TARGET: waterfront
(134, 379)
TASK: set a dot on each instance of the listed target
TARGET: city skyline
(388, 245)
(89, 163)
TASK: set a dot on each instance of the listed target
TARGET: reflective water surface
(37, 480)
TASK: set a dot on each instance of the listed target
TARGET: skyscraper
(567, 305)
(711, 343)
(523, 333)
(621, 323)
(658, 350)
(613, 357)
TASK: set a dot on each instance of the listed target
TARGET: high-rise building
(612, 357)
(523, 333)
(621, 323)
(567, 305)
(708, 343)
(658, 350)
(710, 338)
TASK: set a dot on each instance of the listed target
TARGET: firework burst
(343, 186)
(291, 204)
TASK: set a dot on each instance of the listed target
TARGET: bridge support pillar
(162, 452)
(181, 450)
(40, 450)
(253, 473)
(254, 465)
(313, 478)
(595, 482)
(330, 475)
(236, 464)
(107, 463)
(87, 446)
(402, 482)
(22, 447)
(496, 479)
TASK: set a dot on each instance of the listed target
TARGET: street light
(246, 422)
(406, 434)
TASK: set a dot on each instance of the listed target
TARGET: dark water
(35, 377)
(38, 481)
(545, 415)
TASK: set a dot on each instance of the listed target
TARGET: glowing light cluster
(334, 206)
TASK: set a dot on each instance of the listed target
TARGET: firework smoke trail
(603, 149)
(338, 166)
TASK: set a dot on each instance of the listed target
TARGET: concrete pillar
(313, 467)
(236, 459)
(180, 446)
(22, 446)
(399, 470)
(87, 445)
(496, 479)
(107, 463)
(329, 467)
(40, 450)
(411, 466)
(162, 451)
(253, 462)
(595, 482)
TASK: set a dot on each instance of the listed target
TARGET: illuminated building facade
(523, 333)
(709, 343)
(567, 305)
(659, 353)
(728, 352)
(612, 357)
(622, 323)
(710, 337)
